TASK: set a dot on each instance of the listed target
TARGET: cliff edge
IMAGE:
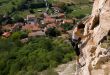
(96, 49)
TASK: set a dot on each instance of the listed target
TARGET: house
(45, 15)
(7, 27)
(6, 34)
(70, 21)
(42, 22)
(51, 25)
(58, 22)
(59, 15)
(38, 33)
(31, 27)
(57, 9)
(31, 19)
(49, 20)
(17, 26)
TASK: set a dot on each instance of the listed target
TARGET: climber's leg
(77, 58)
(77, 53)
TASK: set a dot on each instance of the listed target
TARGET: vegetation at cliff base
(37, 55)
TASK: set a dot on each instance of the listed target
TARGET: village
(38, 26)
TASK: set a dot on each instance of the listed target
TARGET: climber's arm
(84, 36)
(90, 32)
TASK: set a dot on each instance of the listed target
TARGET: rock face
(66, 69)
(97, 49)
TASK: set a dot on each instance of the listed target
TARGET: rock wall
(96, 51)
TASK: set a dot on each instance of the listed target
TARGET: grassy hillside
(9, 6)
(80, 11)
(22, 7)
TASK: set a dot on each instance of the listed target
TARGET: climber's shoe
(80, 65)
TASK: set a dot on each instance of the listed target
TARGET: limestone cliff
(96, 49)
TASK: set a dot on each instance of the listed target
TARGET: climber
(77, 36)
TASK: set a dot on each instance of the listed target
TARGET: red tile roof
(51, 25)
(68, 21)
(6, 34)
(31, 27)
(61, 15)
(38, 33)
(49, 20)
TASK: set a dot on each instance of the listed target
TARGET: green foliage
(67, 26)
(15, 36)
(52, 32)
(18, 18)
(31, 11)
(5, 44)
(23, 34)
(37, 55)
(19, 35)
(80, 16)
(66, 8)
(1, 19)
(11, 6)
(37, 5)
(79, 11)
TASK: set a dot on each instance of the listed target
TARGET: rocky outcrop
(97, 49)
(67, 69)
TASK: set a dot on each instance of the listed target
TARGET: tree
(19, 35)
(52, 32)
(80, 16)
(31, 11)
(66, 8)
(1, 19)
(67, 26)
(18, 19)
(15, 36)
(34, 57)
